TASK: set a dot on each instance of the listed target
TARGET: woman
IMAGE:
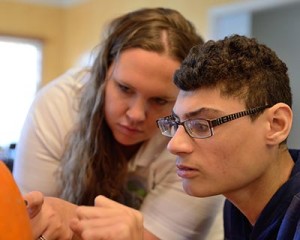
(96, 128)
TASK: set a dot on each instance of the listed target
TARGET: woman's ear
(280, 118)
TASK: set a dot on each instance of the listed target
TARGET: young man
(229, 129)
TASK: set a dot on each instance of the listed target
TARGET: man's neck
(252, 199)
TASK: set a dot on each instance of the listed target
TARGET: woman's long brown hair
(93, 162)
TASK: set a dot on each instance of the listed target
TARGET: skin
(109, 220)
(44, 217)
(139, 90)
(242, 160)
(247, 169)
(57, 219)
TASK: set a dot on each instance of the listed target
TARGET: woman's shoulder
(72, 79)
(66, 86)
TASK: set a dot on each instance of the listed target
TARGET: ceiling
(58, 3)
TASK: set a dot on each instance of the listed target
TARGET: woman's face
(139, 90)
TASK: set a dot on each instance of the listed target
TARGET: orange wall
(69, 33)
(85, 22)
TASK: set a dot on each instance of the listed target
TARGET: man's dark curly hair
(240, 67)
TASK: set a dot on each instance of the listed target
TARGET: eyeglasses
(198, 127)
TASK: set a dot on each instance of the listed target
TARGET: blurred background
(41, 39)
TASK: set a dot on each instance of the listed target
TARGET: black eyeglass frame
(211, 123)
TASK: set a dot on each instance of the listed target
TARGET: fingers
(75, 226)
(55, 227)
(105, 204)
(34, 201)
(45, 220)
(101, 201)
(108, 220)
(105, 208)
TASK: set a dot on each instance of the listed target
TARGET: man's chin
(196, 190)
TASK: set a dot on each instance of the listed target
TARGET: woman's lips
(129, 130)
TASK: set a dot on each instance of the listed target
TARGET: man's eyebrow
(197, 112)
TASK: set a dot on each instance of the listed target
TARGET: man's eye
(199, 126)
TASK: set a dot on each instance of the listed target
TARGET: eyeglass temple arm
(234, 116)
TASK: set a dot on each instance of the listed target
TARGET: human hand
(108, 220)
(45, 220)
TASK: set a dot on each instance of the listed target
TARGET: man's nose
(180, 142)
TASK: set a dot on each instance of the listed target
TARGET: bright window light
(20, 74)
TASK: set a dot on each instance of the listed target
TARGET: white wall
(279, 28)
(275, 23)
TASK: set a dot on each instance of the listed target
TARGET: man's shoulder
(290, 225)
(294, 208)
(295, 153)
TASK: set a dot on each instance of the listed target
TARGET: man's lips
(186, 171)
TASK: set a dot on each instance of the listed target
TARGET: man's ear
(280, 118)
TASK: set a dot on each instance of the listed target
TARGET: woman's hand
(108, 220)
(46, 218)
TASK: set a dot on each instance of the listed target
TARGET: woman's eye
(160, 101)
(123, 88)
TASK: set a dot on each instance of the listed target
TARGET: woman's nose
(137, 111)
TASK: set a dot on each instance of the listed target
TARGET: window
(20, 74)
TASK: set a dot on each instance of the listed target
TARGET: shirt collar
(149, 151)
